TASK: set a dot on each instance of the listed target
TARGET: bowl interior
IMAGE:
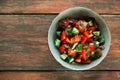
(79, 12)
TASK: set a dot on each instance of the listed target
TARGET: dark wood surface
(24, 51)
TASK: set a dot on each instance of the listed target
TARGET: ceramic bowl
(78, 12)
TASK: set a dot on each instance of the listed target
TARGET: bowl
(78, 12)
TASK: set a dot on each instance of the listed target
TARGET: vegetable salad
(79, 41)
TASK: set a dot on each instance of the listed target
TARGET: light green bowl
(78, 12)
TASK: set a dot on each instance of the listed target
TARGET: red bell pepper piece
(63, 35)
(62, 49)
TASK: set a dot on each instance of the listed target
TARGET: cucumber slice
(97, 54)
(75, 31)
(58, 33)
(90, 23)
(57, 42)
(63, 56)
(79, 48)
(101, 39)
(68, 31)
(96, 33)
(69, 59)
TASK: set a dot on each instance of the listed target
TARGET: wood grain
(56, 6)
(23, 43)
(66, 75)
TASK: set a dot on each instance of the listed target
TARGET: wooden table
(24, 52)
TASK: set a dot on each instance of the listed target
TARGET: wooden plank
(64, 75)
(56, 6)
(23, 43)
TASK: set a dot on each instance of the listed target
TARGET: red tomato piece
(63, 35)
(79, 28)
(78, 59)
(87, 34)
(83, 54)
(72, 52)
(66, 40)
(93, 28)
(76, 38)
(62, 49)
(92, 47)
(84, 39)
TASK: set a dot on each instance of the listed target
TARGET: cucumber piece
(101, 39)
(57, 42)
(63, 56)
(79, 48)
(96, 33)
(68, 31)
(69, 59)
(90, 23)
(97, 54)
(96, 43)
(75, 31)
(58, 33)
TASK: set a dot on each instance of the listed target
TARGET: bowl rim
(50, 28)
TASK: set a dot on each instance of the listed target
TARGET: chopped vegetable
(75, 30)
(97, 54)
(58, 33)
(90, 23)
(69, 31)
(69, 59)
(57, 42)
(62, 49)
(101, 40)
(63, 35)
(79, 48)
(79, 41)
(96, 33)
(63, 56)
(72, 52)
